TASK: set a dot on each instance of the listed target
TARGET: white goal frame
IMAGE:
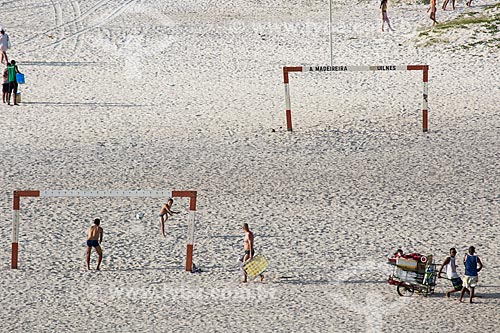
(423, 68)
(16, 206)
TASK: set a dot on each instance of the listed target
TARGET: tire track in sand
(60, 24)
(114, 13)
(57, 17)
(78, 24)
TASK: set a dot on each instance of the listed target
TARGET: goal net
(191, 195)
(290, 69)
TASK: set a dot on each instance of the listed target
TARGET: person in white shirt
(4, 44)
(451, 273)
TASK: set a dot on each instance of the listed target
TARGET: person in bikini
(249, 249)
(94, 240)
(432, 9)
(385, 18)
(164, 212)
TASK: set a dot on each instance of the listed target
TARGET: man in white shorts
(473, 266)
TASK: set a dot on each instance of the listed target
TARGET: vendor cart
(413, 273)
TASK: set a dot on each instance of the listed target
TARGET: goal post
(16, 206)
(290, 69)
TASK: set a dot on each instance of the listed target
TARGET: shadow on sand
(59, 63)
(294, 280)
(144, 269)
(95, 104)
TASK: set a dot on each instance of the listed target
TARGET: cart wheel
(405, 289)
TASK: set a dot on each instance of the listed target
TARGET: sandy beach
(140, 95)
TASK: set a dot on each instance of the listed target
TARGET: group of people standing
(432, 10)
(472, 265)
(9, 77)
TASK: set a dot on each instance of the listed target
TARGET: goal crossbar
(16, 206)
(423, 68)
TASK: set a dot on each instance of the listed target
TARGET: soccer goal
(289, 69)
(16, 206)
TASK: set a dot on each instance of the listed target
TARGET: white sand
(168, 95)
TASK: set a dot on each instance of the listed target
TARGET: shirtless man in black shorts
(249, 249)
(94, 239)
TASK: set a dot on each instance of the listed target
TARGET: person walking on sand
(432, 9)
(385, 18)
(4, 45)
(451, 273)
(248, 247)
(473, 266)
(5, 85)
(164, 212)
(12, 70)
(445, 3)
(94, 240)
